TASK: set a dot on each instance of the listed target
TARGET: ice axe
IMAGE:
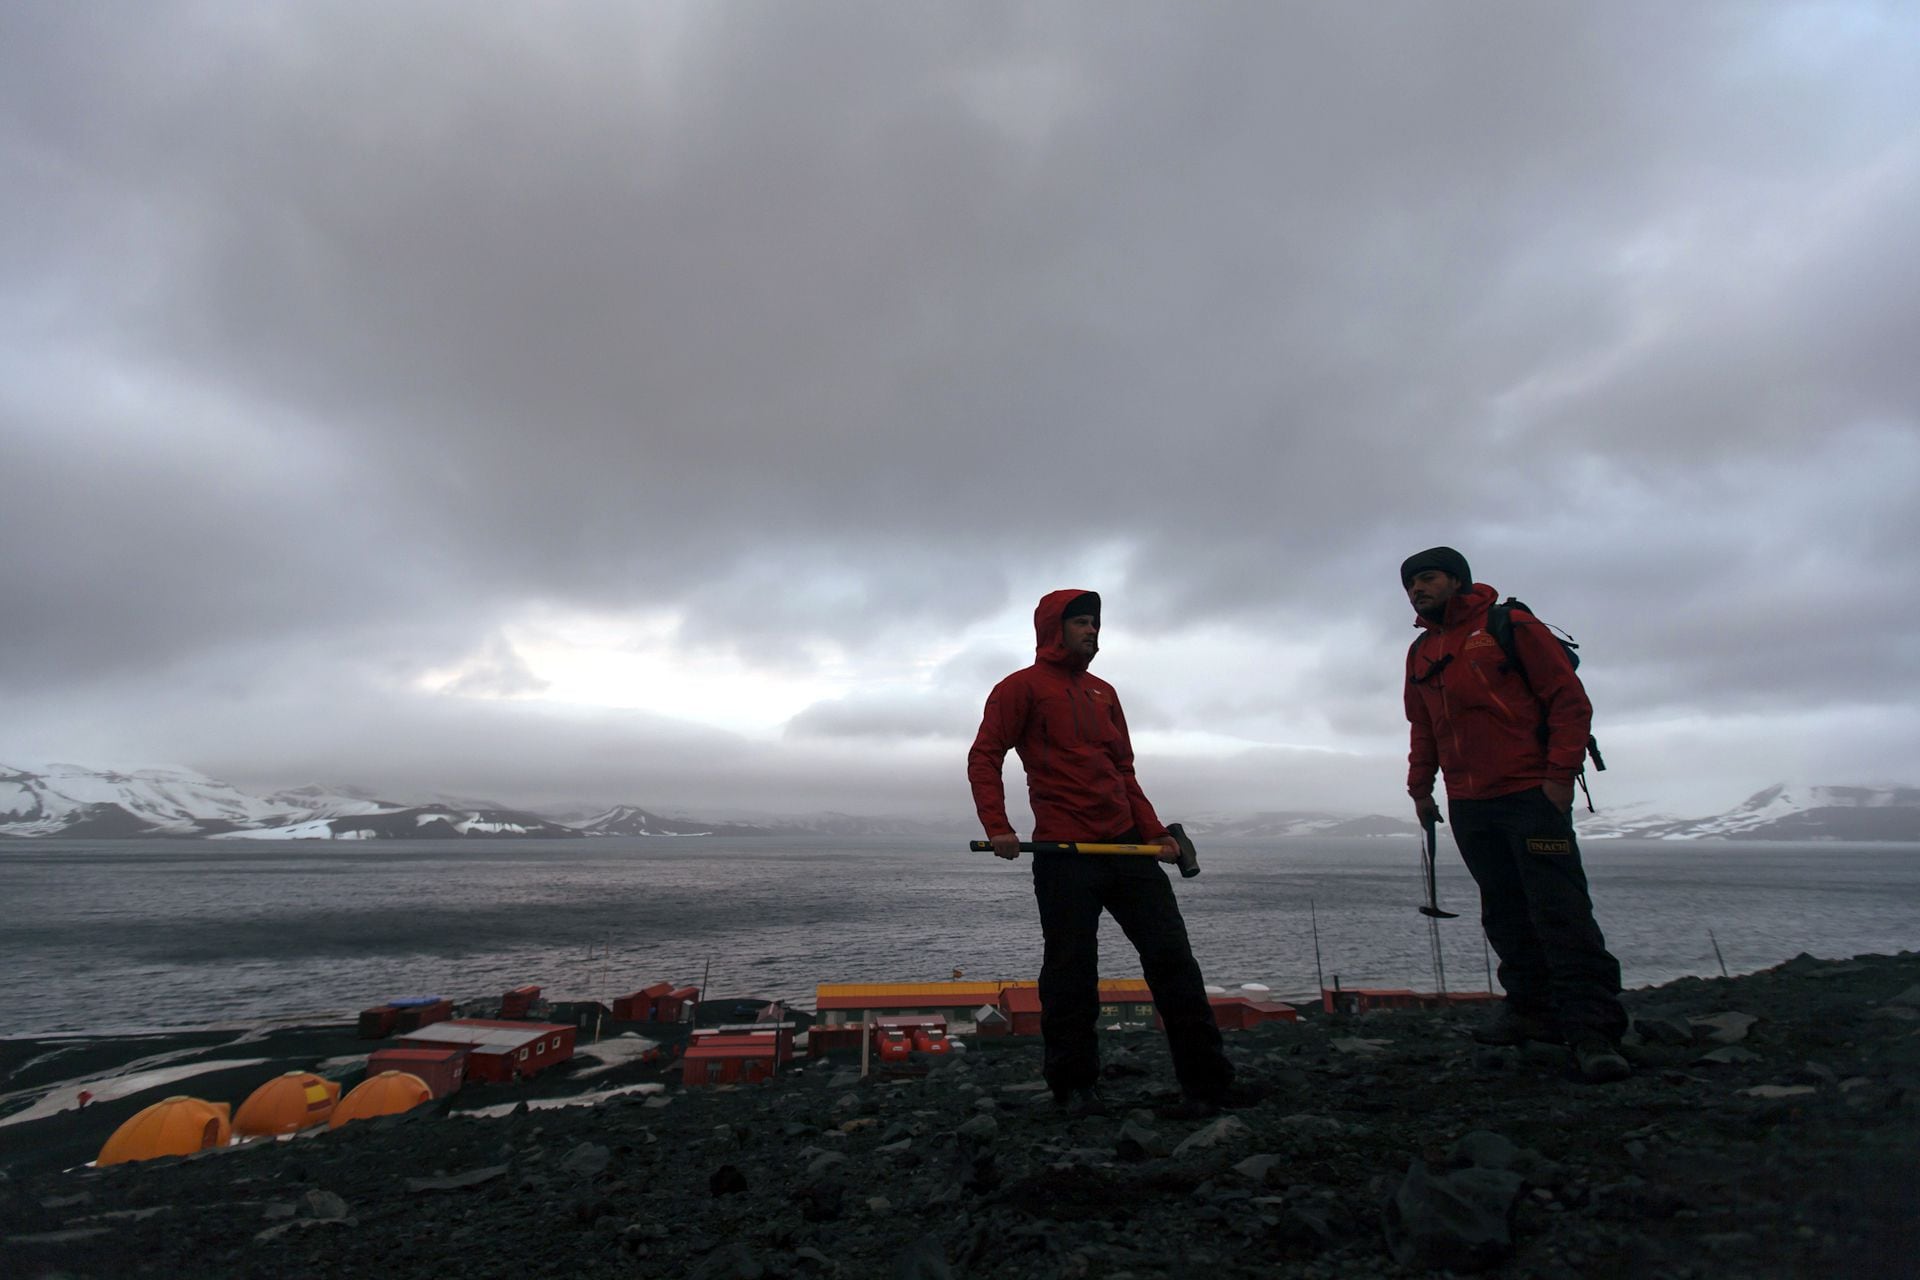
(1428, 849)
(1189, 863)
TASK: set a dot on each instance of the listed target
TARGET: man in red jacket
(1068, 729)
(1510, 742)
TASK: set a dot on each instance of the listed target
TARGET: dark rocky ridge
(1784, 1146)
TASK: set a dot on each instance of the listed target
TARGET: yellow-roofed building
(387, 1094)
(177, 1126)
(287, 1104)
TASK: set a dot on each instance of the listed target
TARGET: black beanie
(1086, 603)
(1445, 559)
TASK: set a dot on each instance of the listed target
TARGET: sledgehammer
(1189, 863)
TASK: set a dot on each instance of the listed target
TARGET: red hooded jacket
(1480, 724)
(1071, 736)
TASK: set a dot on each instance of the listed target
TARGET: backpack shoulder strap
(1500, 627)
(1434, 668)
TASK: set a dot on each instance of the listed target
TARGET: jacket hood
(1476, 598)
(1048, 616)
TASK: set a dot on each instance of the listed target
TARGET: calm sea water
(124, 935)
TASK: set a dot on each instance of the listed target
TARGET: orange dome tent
(178, 1126)
(386, 1094)
(287, 1104)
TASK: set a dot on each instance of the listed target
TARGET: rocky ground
(1769, 1130)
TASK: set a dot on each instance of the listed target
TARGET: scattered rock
(1138, 1141)
(1226, 1129)
(1360, 1045)
(1775, 1091)
(821, 1201)
(727, 1180)
(1732, 1055)
(284, 1228)
(586, 1160)
(1909, 999)
(1841, 969)
(980, 1128)
(458, 1181)
(924, 1259)
(1659, 1029)
(1318, 1126)
(1723, 1028)
(74, 1235)
(1483, 1150)
(1257, 1169)
(733, 1261)
(1460, 1222)
(325, 1206)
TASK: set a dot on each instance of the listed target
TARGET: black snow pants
(1072, 889)
(1534, 906)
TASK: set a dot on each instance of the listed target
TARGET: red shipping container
(823, 1039)
(673, 1006)
(376, 1024)
(441, 1069)
(517, 1002)
(742, 1058)
(413, 1017)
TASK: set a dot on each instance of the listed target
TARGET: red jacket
(1479, 724)
(1070, 734)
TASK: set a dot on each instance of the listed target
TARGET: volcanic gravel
(1777, 1143)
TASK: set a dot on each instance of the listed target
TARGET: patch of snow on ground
(575, 1100)
(616, 1052)
(66, 1097)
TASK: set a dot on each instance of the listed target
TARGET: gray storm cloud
(338, 336)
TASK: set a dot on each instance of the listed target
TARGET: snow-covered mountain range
(77, 801)
(1781, 812)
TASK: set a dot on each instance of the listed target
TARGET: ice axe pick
(1428, 848)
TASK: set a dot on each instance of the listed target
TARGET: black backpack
(1500, 627)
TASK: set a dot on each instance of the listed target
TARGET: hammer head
(1189, 863)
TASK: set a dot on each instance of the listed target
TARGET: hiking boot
(1195, 1107)
(1077, 1104)
(1512, 1027)
(1600, 1062)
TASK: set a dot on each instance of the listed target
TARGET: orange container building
(387, 1094)
(177, 1126)
(287, 1104)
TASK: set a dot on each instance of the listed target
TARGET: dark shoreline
(1793, 1151)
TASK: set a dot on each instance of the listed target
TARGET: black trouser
(1072, 889)
(1534, 905)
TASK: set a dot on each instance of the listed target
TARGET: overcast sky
(685, 404)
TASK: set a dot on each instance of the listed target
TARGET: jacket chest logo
(1480, 640)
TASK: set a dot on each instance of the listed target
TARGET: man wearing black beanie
(1510, 737)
